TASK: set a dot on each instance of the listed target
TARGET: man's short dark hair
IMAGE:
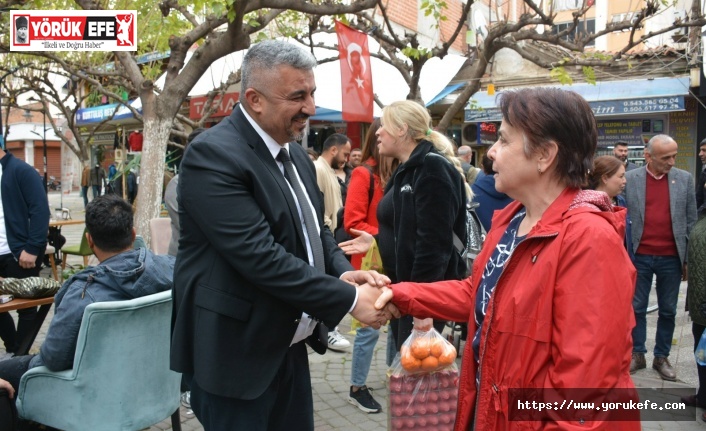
(621, 144)
(109, 221)
(703, 142)
(336, 139)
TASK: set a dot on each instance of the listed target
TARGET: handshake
(374, 306)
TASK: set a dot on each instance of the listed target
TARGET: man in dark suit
(256, 271)
(662, 208)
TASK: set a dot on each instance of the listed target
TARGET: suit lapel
(642, 193)
(674, 191)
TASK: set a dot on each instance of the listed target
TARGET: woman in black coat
(423, 206)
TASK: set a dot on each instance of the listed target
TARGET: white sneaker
(336, 341)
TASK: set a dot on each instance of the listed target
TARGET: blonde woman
(423, 205)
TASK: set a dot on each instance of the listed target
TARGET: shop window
(582, 29)
(567, 4)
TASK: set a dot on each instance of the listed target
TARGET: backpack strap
(371, 189)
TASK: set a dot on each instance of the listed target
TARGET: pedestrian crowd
(272, 245)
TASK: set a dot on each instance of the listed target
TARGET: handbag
(30, 287)
(371, 260)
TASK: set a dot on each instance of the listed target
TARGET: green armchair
(120, 379)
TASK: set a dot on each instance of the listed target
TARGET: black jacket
(429, 205)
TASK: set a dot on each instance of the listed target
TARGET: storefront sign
(611, 131)
(682, 127)
(647, 105)
(488, 132)
(638, 106)
(222, 106)
(97, 114)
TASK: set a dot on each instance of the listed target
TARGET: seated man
(123, 273)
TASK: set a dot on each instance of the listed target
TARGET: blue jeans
(363, 349)
(391, 348)
(96, 191)
(668, 270)
(84, 192)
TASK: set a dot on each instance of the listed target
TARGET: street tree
(403, 49)
(215, 29)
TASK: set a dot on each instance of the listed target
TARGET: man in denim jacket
(123, 273)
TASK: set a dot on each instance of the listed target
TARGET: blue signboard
(97, 114)
(638, 106)
(646, 105)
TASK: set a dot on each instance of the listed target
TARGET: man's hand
(372, 278)
(358, 245)
(4, 384)
(27, 261)
(365, 310)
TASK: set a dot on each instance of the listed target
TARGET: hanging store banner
(71, 30)
(648, 105)
(356, 75)
(222, 105)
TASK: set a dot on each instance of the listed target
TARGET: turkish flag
(356, 76)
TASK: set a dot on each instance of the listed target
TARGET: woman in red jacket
(548, 307)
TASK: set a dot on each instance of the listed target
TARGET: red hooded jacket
(560, 316)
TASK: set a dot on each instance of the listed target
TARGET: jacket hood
(570, 203)
(136, 273)
(595, 201)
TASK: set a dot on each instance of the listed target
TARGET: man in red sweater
(662, 207)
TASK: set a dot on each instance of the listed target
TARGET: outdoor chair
(81, 249)
(50, 250)
(120, 378)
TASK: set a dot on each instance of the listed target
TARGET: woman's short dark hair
(552, 114)
(603, 165)
(109, 221)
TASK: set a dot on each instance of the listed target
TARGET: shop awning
(445, 92)
(628, 97)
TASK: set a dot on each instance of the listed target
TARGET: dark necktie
(310, 225)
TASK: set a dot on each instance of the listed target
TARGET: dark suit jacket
(242, 278)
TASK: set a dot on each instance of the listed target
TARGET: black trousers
(287, 404)
(10, 267)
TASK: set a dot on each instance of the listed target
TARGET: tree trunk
(149, 193)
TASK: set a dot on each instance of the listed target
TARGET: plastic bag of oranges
(426, 352)
(424, 383)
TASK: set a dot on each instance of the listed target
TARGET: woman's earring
(539, 169)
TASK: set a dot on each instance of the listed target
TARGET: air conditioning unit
(469, 134)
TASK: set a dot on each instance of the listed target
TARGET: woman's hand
(360, 244)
